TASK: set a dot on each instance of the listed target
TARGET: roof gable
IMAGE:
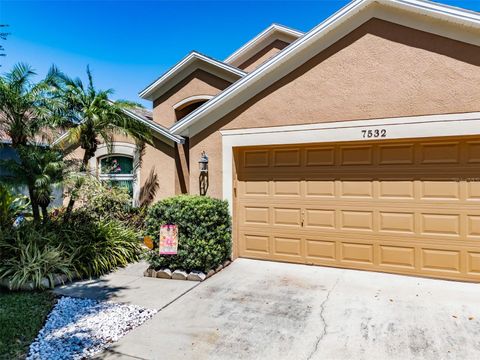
(454, 23)
(259, 42)
(185, 67)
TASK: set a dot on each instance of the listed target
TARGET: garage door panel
(440, 224)
(320, 218)
(440, 190)
(473, 190)
(473, 225)
(356, 155)
(440, 260)
(356, 253)
(255, 215)
(473, 263)
(398, 222)
(320, 156)
(287, 188)
(440, 153)
(473, 152)
(254, 188)
(410, 207)
(254, 244)
(403, 189)
(287, 217)
(356, 188)
(320, 250)
(287, 246)
(356, 220)
(397, 256)
(286, 157)
(397, 154)
(319, 188)
(256, 158)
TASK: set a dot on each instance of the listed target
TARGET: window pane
(116, 165)
(122, 183)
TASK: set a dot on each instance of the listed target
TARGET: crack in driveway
(322, 309)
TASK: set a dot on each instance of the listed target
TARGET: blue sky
(130, 43)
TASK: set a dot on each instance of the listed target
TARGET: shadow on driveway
(128, 285)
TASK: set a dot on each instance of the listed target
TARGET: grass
(22, 315)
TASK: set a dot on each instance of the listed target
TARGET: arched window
(186, 106)
(117, 170)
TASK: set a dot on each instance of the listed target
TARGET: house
(355, 144)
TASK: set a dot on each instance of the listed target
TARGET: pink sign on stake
(168, 240)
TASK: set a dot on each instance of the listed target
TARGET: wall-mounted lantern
(203, 163)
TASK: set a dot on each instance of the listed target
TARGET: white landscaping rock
(179, 275)
(149, 273)
(196, 276)
(80, 328)
(164, 274)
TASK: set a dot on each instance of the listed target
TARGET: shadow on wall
(203, 183)
(148, 191)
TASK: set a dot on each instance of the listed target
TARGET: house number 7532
(376, 133)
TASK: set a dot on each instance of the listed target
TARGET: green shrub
(103, 201)
(11, 206)
(204, 227)
(28, 255)
(99, 246)
(85, 246)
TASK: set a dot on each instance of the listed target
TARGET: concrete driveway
(265, 310)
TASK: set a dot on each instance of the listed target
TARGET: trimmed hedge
(204, 227)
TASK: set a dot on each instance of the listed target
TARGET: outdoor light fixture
(203, 163)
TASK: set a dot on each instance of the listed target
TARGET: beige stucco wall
(197, 83)
(161, 158)
(380, 70)
(263, 55)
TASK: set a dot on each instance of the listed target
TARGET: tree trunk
(45, 214)
(68, 212)
(87, 155)
(84, 161)
(33, 203)
(73, 195)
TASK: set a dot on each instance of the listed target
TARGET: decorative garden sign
(147, 240)
(168, 240)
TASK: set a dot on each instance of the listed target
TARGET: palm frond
(20, 75)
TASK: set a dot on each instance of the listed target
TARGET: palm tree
(27, 111)
(94, 118)
(44, 166)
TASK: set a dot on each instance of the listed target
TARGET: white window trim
(396, 128)
(191, 99)
(121, 149)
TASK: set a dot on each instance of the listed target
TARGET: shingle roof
(147, 114)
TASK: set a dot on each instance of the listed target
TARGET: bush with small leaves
(204, 228)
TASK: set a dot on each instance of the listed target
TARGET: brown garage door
(410, 207)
